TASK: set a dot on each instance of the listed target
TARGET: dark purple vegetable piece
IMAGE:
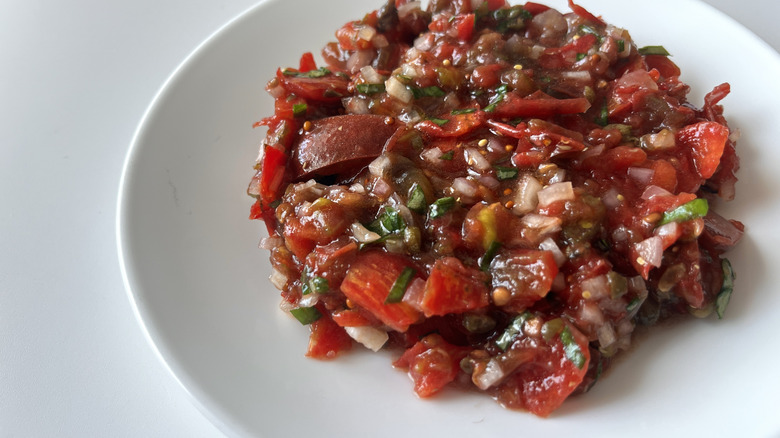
(340, 145)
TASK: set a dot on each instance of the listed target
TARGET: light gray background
(75, 79)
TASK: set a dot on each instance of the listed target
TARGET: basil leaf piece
(320, 72)
(440, 122)
(463, 111)
(432, 91)
(505, 173)
(416, 201)
(688, 211)
(398, 289)
(654, 50)
(441, 206)
(306, 315)
(319, 285)
(490, 254)
(514, 330)
(722, 301)
(572, 349)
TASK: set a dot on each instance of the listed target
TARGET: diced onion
(542, 224)
(607, 335)
(432, 155)
(363, 234)
(526, 194)
(407, 8)
(395, 88)
(366, 33)
(309, 300)
(414, 293)
(380, 41)
(355, 105)
(371, 337)
(489, 182)
(641, 175)
(359, 59)
(663, 139)
(561, 191)
(379, 165)
(270, 242)
(549, 244)
(371, 75)
(591, 313)
(610, 198)
(581, 75)
(464, 187)
(278, 279)
(650, 250)
(476, 160)
(492, 375)
(596, 287)
(652, 191)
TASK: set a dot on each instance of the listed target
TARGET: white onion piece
(379, 165)
(355, 105)
(492, 375)
(652, 191)
(667, 230)
(650, 250)
(371, 337)
(432, 155)
(371, 75)
(270, 242)
(542, 224)
(582, 75)
(409, 70)
(395, 88)
(597, 287)
(380, 41)
(464, 187)
(359, 59)
(489, 182)
(591, 313)
(607, 335)
(309, 300)
(610, 198)
(641, 175)
(549, 244)
(363, 234)
(366, 33)
(526, 194)
(424, 43)
(561, 191)
(663, 139)
(476, 160)
(278, 279)
(414, 293)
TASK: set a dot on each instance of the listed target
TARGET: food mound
(502, 194)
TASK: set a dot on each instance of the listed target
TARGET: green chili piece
(299, 109)
(306, 315)
(688, 211)
(320, 72)
(398, 289)
(319, 285)
(432, 91)
(370, 88)
(505, 173)
(440, 122)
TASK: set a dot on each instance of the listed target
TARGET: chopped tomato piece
(327, 339)
(307, 63)
(454, 288)
(453, 125)
(328, 88)
(706, 141)
(432, 364)
(526, 274)
(513, 106)
(368, 282)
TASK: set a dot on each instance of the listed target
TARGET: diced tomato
(347, 37)
(664, 175)
(663, 65)
(285, 106)
(706, 141)
(535, 8)
(327, 339)
(495, 4)
(542, 386)
(464, 25)
(456, 126)
(527, 274)
(538, 105)
(328, 88)
(303, 232)
(271, 174)
(454, 288)
(582, 12)
(351, 318)
(307, 62)
(368, 282)
(432, 364)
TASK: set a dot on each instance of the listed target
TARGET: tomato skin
(543, 385)
(327, 339)
(536, 105)
(368, 283)
(454, 288)
(706, 141)
(329, 88)
(527, 274)
(432, 363)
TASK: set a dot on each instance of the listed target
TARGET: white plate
(199, 283)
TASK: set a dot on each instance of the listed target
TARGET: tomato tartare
(500, 193)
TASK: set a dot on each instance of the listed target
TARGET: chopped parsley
(505, 173)
(654, 50)
(320, 72)
(572, 349)
(370, 88)
(441, 206)
(400, 285)
(432, 91)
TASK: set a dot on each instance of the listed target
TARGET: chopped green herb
(603, 117)
(441, 206)
(432, 91)
(320, 72)
(440, 122)
(618, 285)
(688, 211)
(463, 111)
(319, 285)
(514, 330)
(654, 50)
(416, 201)
(400, 284)
(581, 56)
(505, 173)
(552, 328)
(389, 222)
(633, 305)
(572, 349)
(370, 88)
(331, 93)
(512, 18)
(275, 204)
(305, 287)
(621, 45)
(490, 254)
(497, 98)
(306, 315)
(299, 109)
(587, 29)
(447, 155)
(722, 301)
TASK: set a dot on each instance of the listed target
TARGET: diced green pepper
(722, 301)
(505, 173)
(688, 211)
(416, 201)
(441, 206)
(299, 109)
(306, 315)
(654, 50)
(490, 254)
(572, 349)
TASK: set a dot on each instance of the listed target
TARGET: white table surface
(75, 79)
